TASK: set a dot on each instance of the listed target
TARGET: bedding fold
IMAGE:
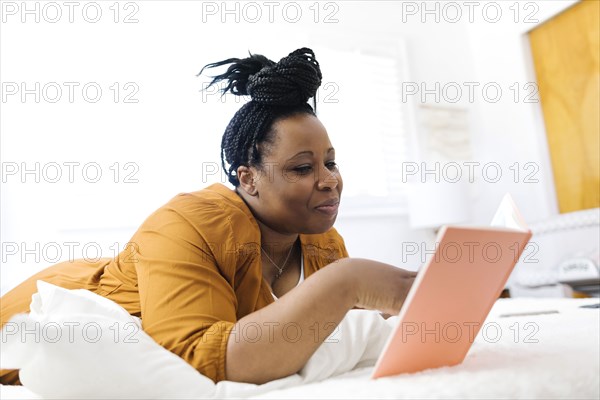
(76, 344)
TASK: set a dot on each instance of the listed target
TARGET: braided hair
(277, 91)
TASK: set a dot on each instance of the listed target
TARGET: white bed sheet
(548, 356)
(563, 364)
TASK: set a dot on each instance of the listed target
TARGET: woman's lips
(329, 210)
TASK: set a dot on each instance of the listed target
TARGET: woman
(209, 267)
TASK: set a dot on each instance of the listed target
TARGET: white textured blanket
(74, 354)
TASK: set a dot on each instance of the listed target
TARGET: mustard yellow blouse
(191, 270)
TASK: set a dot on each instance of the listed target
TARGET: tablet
(453, 293)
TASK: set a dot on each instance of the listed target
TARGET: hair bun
(291, 81)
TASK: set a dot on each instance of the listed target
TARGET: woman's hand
(378, 286)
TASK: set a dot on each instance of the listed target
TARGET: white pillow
(76, 344)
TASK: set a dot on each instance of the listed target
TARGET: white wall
(512, 131)
(505, 132)
(373, 233)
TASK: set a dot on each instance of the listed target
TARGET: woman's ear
(247, 177)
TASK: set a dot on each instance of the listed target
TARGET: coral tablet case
(451, 298)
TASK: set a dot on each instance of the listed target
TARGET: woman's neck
(276, 244)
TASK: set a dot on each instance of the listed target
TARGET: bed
(544, 348)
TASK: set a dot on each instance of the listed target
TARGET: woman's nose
(327, 179)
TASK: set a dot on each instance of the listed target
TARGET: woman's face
(299, 187)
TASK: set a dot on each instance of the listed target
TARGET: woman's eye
(332, 165)
(303, 170)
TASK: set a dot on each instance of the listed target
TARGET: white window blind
(361, 106)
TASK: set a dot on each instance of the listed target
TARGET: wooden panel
(565, 51)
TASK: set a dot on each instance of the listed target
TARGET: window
(370, 126)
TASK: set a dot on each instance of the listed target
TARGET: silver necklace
(279, 269)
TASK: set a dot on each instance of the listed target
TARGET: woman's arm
(278, 340)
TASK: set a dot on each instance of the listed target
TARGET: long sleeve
(188, 306)
(198, 267)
